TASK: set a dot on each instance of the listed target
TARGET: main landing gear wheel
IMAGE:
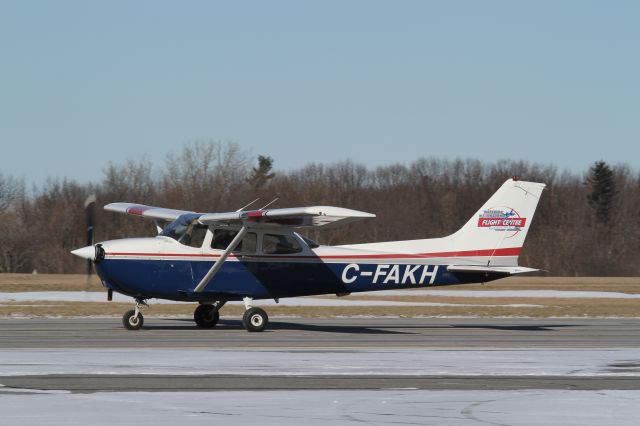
(132, 321)
(206, 316)
(255, 319)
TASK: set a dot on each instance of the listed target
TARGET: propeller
(89, 215)
(93, 253)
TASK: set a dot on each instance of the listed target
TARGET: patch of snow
(506, 293)
(324, 407)
(397, 361)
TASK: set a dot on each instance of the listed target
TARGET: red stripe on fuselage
(514, 251)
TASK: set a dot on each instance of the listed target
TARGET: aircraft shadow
(281, 325)
(517, 327)
(348, 329)
(360, 329)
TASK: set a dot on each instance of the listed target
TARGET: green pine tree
(262, 174)
(601, 179)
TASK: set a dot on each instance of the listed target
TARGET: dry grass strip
(549, 308)
(48, 282)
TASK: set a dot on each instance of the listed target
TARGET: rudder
(500, 226)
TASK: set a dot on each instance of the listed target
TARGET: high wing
(150, 212)
(296, 217)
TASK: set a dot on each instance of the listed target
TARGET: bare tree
(205, 174)
(15, 253)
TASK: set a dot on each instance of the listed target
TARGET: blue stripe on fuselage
(176, 279)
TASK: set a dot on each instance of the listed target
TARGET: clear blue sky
(83, 83)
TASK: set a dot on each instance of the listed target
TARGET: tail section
(499, 228)
(490, 242)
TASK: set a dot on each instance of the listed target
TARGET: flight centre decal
(389, 274)
(501, 219)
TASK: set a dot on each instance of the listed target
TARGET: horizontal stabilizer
(507, 270)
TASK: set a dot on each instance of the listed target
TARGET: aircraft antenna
(244, 207)
(269, 203)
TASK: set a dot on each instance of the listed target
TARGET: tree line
(587, 224)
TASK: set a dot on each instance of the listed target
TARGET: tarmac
(365, 353)
(285, 333)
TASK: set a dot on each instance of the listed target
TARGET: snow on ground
(539, 362)
(508, 293)
(96, 296)
(325, 407)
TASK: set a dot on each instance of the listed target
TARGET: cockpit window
(312, 244)
(186, 231)
(280, 244)
(195, 238)
(223, 237)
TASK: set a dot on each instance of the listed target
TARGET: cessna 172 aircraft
(213, 258)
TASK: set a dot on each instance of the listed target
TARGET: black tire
(131, 323)
(206, 316)
(255, 319)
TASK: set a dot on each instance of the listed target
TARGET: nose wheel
(133, 319)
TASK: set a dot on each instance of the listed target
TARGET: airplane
(248, 255)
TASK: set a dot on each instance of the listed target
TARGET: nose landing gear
(133, 319)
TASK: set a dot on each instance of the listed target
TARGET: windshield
(179, 227)
(312, 244)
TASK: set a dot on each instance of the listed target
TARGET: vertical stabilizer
(499, 228)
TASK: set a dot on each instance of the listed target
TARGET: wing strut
(218, 264)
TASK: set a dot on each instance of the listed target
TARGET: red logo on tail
(502, 219)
